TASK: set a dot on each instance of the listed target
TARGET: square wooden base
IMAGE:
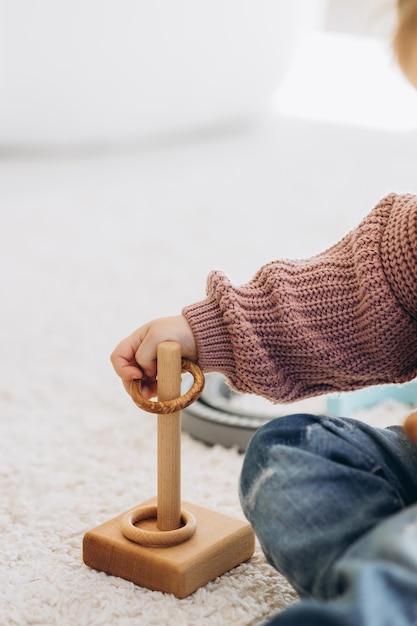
(219, 544)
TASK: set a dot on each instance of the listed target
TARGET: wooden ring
(156, 537)
(170, 406)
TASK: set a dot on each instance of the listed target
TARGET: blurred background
(143, 144)
(95, 72)
(90, 73)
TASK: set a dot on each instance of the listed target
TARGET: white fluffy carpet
(92, 245)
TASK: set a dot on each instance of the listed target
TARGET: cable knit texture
(344, 319)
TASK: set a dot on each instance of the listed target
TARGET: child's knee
(290, 431)
(263, 457)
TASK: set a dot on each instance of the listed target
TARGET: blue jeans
(333, 504)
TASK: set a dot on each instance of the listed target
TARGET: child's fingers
(145, 357)
(149, 388)
(124, 362)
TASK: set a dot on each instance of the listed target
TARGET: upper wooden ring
(170, 406)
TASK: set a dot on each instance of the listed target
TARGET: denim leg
(312, 486)
(376, 578)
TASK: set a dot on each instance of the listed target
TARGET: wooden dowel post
(169, 438)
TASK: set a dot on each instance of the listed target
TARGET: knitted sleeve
(344, 319)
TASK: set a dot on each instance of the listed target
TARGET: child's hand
(135, 356)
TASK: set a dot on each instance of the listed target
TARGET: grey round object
(223, 416)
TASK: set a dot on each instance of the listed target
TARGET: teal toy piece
(348, 402)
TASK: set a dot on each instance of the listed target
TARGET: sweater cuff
(399, 254)
(210, 333)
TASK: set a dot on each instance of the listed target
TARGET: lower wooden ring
(156, 537)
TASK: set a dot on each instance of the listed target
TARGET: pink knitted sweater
(344, 319)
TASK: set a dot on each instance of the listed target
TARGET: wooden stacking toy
(164, 544)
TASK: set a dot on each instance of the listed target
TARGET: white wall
(96, 70)
(364, 17)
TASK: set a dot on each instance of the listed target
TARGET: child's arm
(342, 320)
